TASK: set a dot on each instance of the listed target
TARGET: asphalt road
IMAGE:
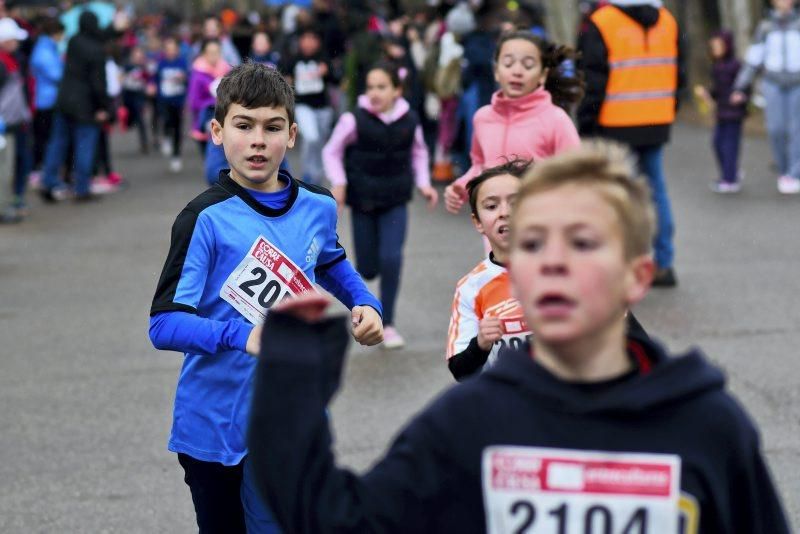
(86, 401)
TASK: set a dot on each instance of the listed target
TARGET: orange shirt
(485, 292)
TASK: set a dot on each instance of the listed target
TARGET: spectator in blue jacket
(47, 68)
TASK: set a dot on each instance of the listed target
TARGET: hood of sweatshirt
(219, 70)
(89, 25)
(400, 108)
(642, 11)
(539, 99)
(730, 43)
(662, 380)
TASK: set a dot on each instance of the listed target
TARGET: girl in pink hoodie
(522, 120)
(374, 158)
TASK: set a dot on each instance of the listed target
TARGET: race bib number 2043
(556, 491)
(263, 278)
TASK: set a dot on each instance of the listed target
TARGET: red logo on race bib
(609, 477)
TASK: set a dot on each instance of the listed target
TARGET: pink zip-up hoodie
(345, 134)
(529, 127)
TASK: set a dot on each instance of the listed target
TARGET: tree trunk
(737, 15)
(562, 20)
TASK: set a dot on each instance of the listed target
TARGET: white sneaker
(175, 165)
(725, 187)
(392, 339)
(788, 185)
(102, 186)
(166, 148)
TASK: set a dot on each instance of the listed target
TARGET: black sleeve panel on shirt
(325, 266)
(469, 361)
(318, 189)
(182, 231)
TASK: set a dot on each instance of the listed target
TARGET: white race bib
(515, 333)
(263, 278)
(534, 490)
(307, 79)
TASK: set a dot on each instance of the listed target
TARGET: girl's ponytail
(564, 82)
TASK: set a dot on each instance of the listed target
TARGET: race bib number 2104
(263, 278)
(556, 491)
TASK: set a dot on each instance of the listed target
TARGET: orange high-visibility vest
(643, 69)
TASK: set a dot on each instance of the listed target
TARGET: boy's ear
(292, 135)
(639, 277)
(216, 132)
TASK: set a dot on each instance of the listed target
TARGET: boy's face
(261, 44)
(568, 267)
(308, 44)
(254, 141)
(494, 203)
(171, 49)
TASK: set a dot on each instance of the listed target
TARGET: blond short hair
(610, 169)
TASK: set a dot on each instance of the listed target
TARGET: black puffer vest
(378, 164)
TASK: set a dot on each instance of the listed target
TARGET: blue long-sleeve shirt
(234, 252)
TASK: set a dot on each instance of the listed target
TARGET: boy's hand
(254, 341)
(738, 97)
(455, 195)
(367, 326)
(489, 331)
(431, 195)
(339, 193)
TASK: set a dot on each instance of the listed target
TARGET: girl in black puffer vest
(374, 158)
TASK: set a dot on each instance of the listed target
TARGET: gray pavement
(86, 401)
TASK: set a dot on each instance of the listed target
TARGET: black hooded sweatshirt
(594, 63)
(430, 479)
(83, 90)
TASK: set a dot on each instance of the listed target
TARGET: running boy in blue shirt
(255, 238)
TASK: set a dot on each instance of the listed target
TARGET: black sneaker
(665, 278)
(51, 196)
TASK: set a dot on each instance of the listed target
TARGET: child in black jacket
(585, 430)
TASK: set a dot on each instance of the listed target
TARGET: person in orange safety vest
(632, 60)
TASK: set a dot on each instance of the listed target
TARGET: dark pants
(173, 124)
(727, 139)
(42, 123)
(155, 119)
(102, 160)
(23, 163)
(135, 101)
(84, 139)
(225, 498)
(651, 164)
(379, 238)
(216, 495)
